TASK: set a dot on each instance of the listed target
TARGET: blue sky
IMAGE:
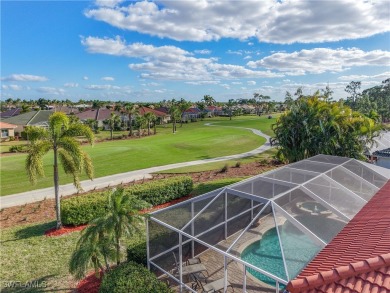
(149, 51)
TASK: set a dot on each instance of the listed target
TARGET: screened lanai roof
(304, 205)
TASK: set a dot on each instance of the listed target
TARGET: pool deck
(214, 261)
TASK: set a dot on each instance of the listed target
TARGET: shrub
(18, 149)
(137, 252)
(238, 164)
(224, 169)
(82, 209)
(132, 277)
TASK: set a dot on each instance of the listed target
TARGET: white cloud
(271, 21)
(100, 87)
(321, 60)
(50, 90)
(85, 77)
(225, 86)
(250, 44)
(108, 3)
(381, 76)
(170, 62)
(108, 78)
(24, 77)
(251, 82)
(247, 57)
(71, 84)
(203, 82)
(203, 52)
(14, 87)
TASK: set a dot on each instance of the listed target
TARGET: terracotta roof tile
(358, 258)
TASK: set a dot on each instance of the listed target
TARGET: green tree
(175, 113)
(313, 126)
(101, 241)
(131, 110)
(59, 137)
(112, 122)
(140, 121)
(353, 88)
(229, 107)
(182, 106)
(149, 117)
(209, 100)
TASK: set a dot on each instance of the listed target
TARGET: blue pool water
(266, 254)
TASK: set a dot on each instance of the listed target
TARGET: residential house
(98, 114)
(382, 158)
(7, 130)
(162, 117)
(10, 113)
(214, 111)
(191, 114)
(34, 118)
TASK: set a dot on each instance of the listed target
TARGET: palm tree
(140, 121)
(209, 100)
(149, 117)
(59, 137)
(131, 110)
(111, 122)
(183, 105)
(101, 241)
(175, 114)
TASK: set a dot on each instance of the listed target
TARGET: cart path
(113, 180)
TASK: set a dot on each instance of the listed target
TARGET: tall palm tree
(140, 121)
(111, 122)
(59, 137)
(131, 110)
(149, 117)
(175, 115)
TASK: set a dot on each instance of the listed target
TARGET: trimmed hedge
(132, 277)
(82, 209)
(137, 252)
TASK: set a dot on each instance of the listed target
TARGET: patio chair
(190, 268)
(213, 286)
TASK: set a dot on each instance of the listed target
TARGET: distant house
(66, 109)
(10, 113)
(162, 116)
(214, 111)
(7, 130)
(97, 114)
(34, 118)
(191, 114)
(382, 158)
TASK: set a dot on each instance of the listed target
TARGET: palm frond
(80, 130)
(35, 133)
(34, 160)
(73, 148)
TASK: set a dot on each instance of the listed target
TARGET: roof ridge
(341, 272)
(32, 117)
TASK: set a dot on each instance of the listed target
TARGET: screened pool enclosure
(258, 234)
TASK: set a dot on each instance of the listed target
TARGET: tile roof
(382, 153)
(143, 110)
(89, 114)
(358, 258)
(4, 125)
(41, 116)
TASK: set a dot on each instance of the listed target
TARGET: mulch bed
(64, 230)
(89, 284)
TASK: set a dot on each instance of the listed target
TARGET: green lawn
(193, 141)
(219, 165)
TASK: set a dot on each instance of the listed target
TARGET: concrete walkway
(112, 180)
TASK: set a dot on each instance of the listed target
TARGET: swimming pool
(297, 247)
